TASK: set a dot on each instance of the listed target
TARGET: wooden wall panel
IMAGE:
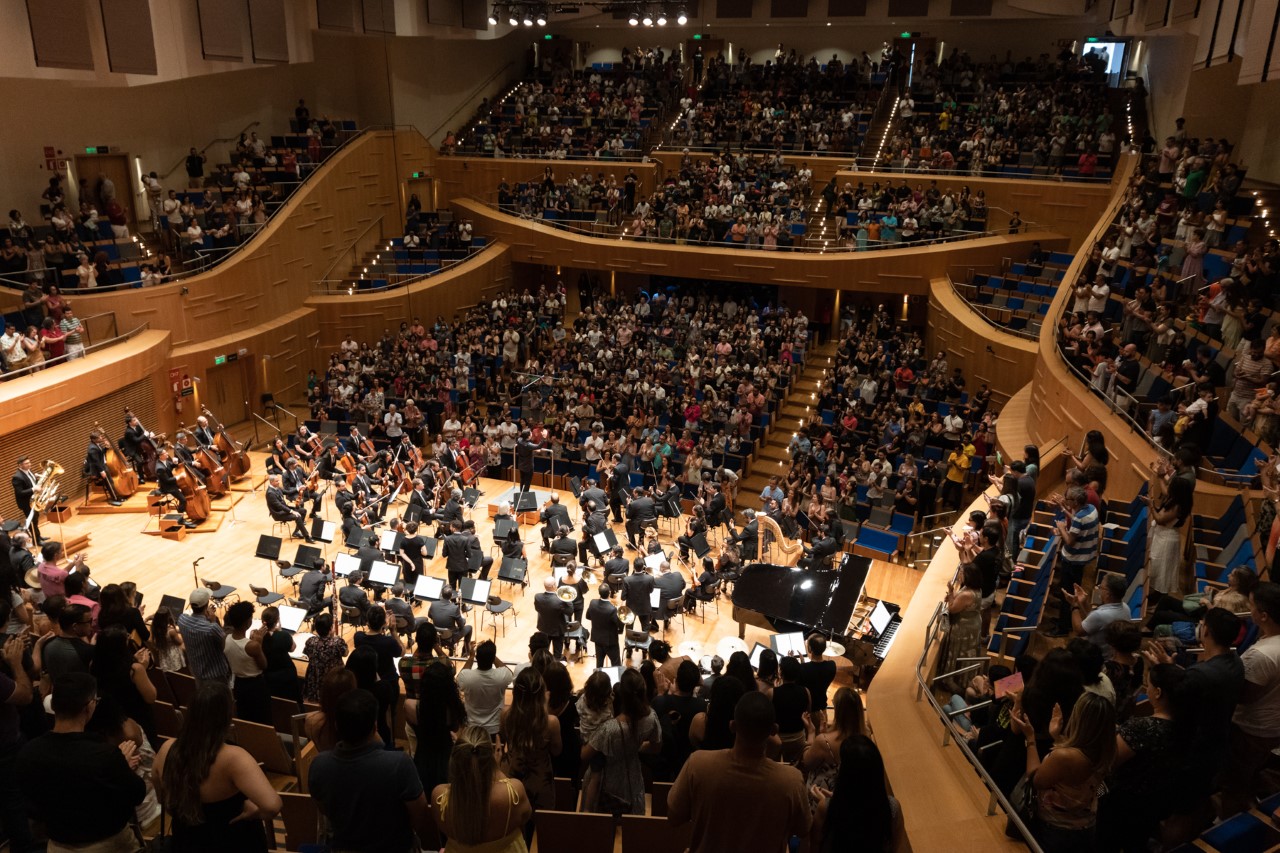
(275, 272)
(894, 271)
(1003, 361)
(48, 415)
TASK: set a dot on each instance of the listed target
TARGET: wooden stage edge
(119, 551)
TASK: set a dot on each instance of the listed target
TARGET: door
(425, 190)
(92, 168)
(228, 390)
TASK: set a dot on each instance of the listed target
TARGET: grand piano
(784, 599)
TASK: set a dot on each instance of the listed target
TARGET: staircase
(771, 458)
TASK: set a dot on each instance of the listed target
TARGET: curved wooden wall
(1002, 360)
(892, 271)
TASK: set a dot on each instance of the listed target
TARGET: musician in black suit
(475, 550)
(593, 493)
(670, 583)
(452, 509)
(352, 597)
(294, 483)
(553, 615)
(343, 497)
(696, 524)
(311, 591)
(555, 517)
(278, 507)
(595, 521)
(456, 546)
(642, 512)
(181, 452)
(167, 484)
(619, 486)
(328, 464)
(605, 627)
(131, 442)
(95, 465)
(562, 545)
(444, 613)
(616, 564)
(747, 539)
(203, 434)
(669, 501)
(819, 555)
(524, 460)
(636, 590)
(718, 510)
(419, 502)
(24, 487)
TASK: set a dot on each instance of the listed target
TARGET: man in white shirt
(391, 422)
(14, 354)
(484, 688)
(1255, 726)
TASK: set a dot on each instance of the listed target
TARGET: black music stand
(175, 604)
(503, 527)
(471, 496)
(475, 591)
(514, 570)
(525, 502)
(602, 543)
(430, 543)
(322, 531)
(269, 550)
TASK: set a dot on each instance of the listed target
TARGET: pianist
(818, 557)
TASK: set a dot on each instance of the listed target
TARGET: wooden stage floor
(120, 551)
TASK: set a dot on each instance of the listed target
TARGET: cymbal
(690, 649)
(834, 649)
(728, 645)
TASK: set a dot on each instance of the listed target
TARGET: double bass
(122, 480)
(195, 493)
(147, 447)
(209, 468)
(237, 459)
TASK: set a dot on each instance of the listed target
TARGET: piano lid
(812, 600)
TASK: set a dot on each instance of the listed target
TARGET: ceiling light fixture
(647, 20)
(528, 22)
(633, 20)
(493, 17)
(542, 19)
(682, 17)
(512, 20)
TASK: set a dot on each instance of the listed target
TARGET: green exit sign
(905, 35)
(219, 359)
(697, 36)
(547, 37)
(97, 149)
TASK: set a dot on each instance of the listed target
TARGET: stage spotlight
(542, 19)
(682, 18)
(528, 22)
(662, 20)
(633, 20)
(512, 19)
(647, 20)
(493, 18)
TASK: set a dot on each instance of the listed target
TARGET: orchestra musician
(617, 564)
(553, 615)
(636, 592)
(24, 487)
(668, 500)
(591, 493)
(352, 530)
(306, 443)
(748, 538)
(419, 502)
(670, 583)
(718, 509)
(696, 524)
(818, 555)
(414, 549)
(456, 547)
(452, 509)
(642, 512)
(475, 550)
(181, 452)
(562, 545)
(204, 435)
(605, 627)
(619, 484)
(445, 613)
(595, 521)
(363, 483)
(131, 442)
(279, 509)
(312, 587)
(555, 517)
(524, 462)
(280, 453)
(95, 465)
(294, 483)
(167, 483)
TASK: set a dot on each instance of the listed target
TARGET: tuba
(45, 490)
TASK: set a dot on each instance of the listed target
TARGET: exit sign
(97, 149)
(219, 359)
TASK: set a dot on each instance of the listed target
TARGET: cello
(237, 459)
(122, 480)
(194, 492)
(209, 468)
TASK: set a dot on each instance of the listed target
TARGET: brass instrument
(45, 490)
(567, 593)
(627, 616)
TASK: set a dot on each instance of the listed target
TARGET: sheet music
(655, 561)
(880, 618)
(388, 541)
(345, 564)
(382, 573)
(602, 543)
(475, 591)
(655, 598)
(291, 617)
(755, 654)
(428, 588)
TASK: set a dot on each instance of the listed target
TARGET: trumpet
(45, 490)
